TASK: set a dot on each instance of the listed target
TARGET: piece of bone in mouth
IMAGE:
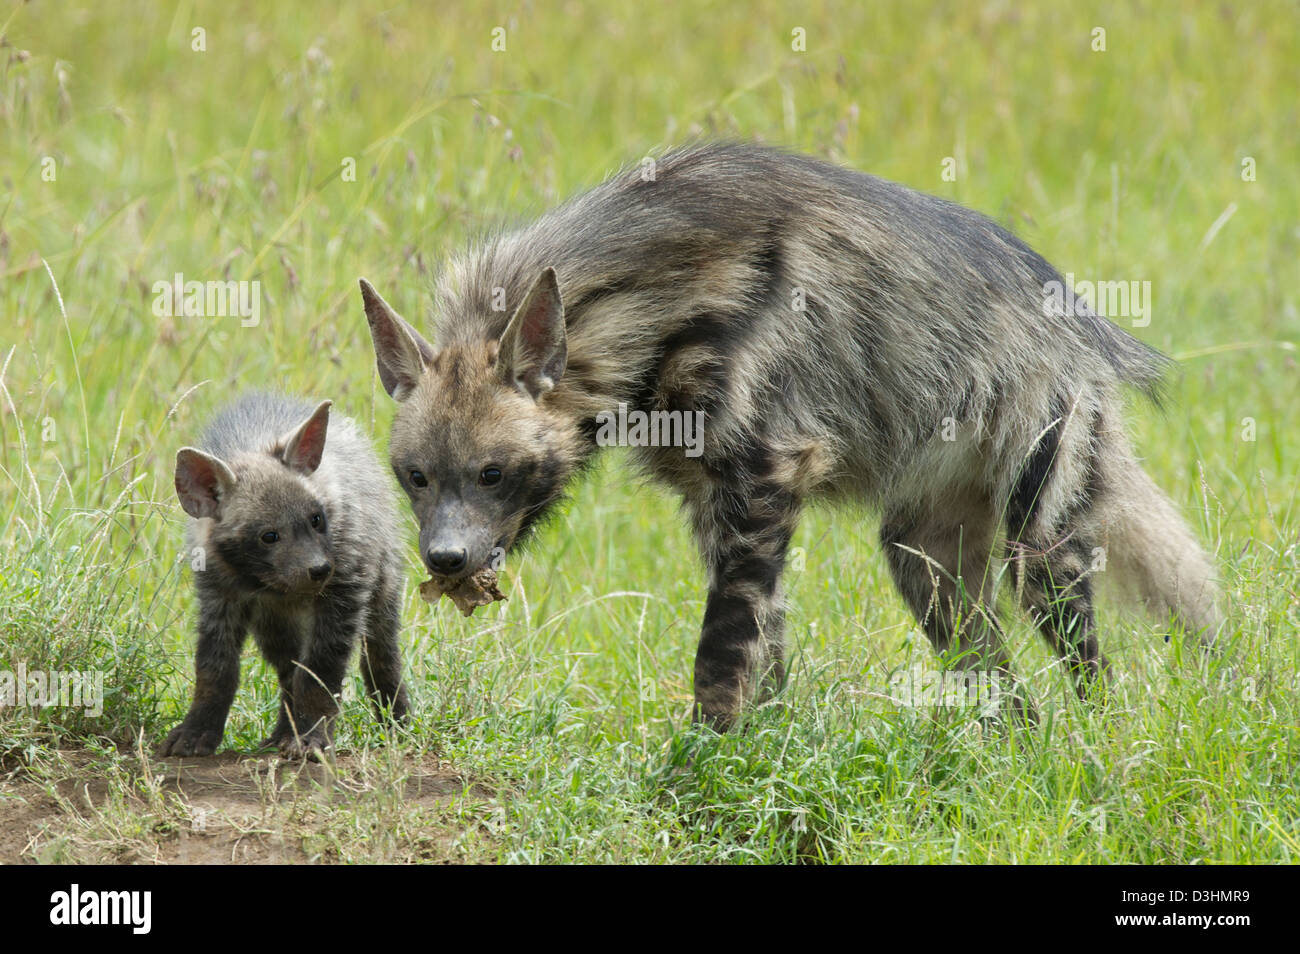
(478, 589)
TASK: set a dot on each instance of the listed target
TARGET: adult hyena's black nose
(447, 562)
(320, 571)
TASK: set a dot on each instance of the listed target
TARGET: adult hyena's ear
(303, 447)
(533, 352)
(202, 482)
(400, 352)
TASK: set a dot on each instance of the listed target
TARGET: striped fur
(827, 324)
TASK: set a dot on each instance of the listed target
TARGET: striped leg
(1051, 521)
(744, 537)
(1055, 589)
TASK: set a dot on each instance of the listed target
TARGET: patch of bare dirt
(22, 814)
(233, 809)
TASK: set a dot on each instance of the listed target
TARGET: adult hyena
(843, 337)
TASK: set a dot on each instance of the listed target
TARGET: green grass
(565, 709)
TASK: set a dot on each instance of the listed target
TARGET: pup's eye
(490, 476)
(270, 536)
(318, 521)
(418, 479)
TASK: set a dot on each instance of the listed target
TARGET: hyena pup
(846, 339)
(295, 541)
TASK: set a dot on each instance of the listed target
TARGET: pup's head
(269, 525)
(477, 444)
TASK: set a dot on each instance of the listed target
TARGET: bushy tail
(1154, 552)
(1135, 362)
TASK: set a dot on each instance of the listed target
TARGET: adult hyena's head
(260, 514)
(477, 443)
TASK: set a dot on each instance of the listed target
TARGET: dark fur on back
(713, 251)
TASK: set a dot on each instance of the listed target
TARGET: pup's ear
(534, 352)
(202, 482)
(304, 446)
(400, 352)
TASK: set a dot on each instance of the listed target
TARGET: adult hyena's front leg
(744, 534)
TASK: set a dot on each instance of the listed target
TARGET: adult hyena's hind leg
(941, 556)
(1055, 515)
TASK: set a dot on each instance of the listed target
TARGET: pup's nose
(447, 561)
(320, 571)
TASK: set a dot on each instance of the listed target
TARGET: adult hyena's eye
(270, 536)
(318, 522)
(490, 476)
(418, 479)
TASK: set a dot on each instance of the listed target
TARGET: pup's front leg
(222, 629)
(318, 679)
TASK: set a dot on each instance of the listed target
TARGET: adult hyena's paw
(718, 705)
(720, 719)
(315, 746)
(190, 740)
